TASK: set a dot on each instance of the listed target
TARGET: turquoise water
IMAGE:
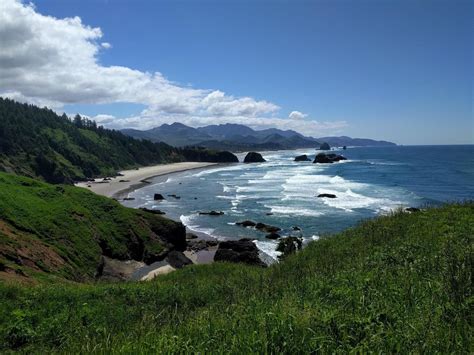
(371, 182)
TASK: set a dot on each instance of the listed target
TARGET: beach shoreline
(129, 180)
(120, 186)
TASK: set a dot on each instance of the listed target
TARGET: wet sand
(129, 180)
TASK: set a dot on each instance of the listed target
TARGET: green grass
(401, 283)
(63, 230)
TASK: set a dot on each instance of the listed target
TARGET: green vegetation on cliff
(62, 231)
(36, 142)
(400, 283)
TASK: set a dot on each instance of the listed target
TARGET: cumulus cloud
(297, 115)
(53, 62)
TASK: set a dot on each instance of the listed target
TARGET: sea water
(283, 193)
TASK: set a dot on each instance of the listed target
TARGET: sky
(395, 70)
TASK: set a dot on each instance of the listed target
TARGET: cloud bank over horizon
(55, 62)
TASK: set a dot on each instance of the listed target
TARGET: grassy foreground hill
(61, 231)
(36, 142)
(399, 283)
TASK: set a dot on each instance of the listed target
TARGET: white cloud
(297, 115)
(52, 62)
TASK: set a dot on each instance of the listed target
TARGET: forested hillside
(37, 142)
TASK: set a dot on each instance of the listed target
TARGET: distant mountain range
(237, 137)
(38, 143)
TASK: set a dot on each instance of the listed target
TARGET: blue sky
(395, 70)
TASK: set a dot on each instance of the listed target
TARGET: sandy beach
(133, 179)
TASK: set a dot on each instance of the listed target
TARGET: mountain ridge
(239, 137)
(37, 142)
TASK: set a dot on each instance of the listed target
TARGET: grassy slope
(60, 229)
(399, 283)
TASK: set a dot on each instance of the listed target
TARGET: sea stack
(324, 146)
(254, 157)
(324, 158)
(303, 157)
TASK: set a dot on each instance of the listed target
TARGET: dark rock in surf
(324, 158)
(174, 196)
(158, 197)
(246, 224)
(289, 245)
(273, 236)
(303, 157)
(212, 213)
(254, 157)
(267, 228)
(239, 251)
(327, 195)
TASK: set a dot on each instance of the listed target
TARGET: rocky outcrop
(246, 223)
(190, 236)
(239, 251)
(201, 244)
(259, 226)
(412, 209)
(177, 259)
(171, 234)
(327, 195)
(158, 197)
(324, 146)
(212, 213)
(254, 157)
(273, 236)
(267, 228)
(117, 270)
(152, 211)
(289, 245)
(208, 155)
(226, 157)
(324, 158)
(303, 157)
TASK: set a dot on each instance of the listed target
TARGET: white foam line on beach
(212, 171)
(293, 211)
(188, 222)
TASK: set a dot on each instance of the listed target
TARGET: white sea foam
(257, 188)
(189, 222)
(269, 248)
(349, 200)
(215, 170)
(293, 211)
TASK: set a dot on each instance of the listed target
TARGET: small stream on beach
(282, 192)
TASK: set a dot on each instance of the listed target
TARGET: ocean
(282, 192)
